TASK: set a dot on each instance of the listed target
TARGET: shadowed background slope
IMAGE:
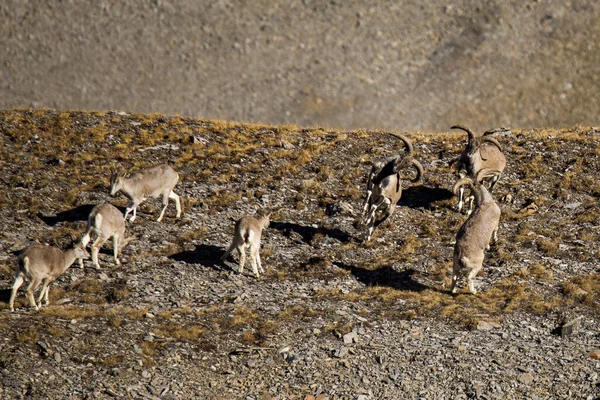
(349, 64)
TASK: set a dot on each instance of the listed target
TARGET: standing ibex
(384, 187)
(105, 221)
(148, 183)
(247, 233)
(481, 152)
(474, 236)
(42, 264)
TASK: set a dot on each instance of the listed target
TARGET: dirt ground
(333, 317)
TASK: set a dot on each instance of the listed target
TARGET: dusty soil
(411, 65)
(332, 317)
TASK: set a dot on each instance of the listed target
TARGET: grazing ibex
(148, 183)
(474, 236)
(105, 221)
(247, 233)
(384, 187)
(42, 264)
(481, 152)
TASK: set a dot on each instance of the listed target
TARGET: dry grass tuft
(29, 336)
(243, 315)
(178, 332)
(249, 338)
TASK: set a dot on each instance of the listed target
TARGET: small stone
(594, 354)
(286, 145)
(341, 352)
(362, 397)
(57, 357)
(292, 358)
(528, 210)
(149, 315)
(63, 300)
(146, 375)
(572, 206)
(346, 207)
(486, 325)
(46, 352)
(350, 338)
(285, 349)
(333, 209)
(570, 327)
(526, 379)
(103, 276)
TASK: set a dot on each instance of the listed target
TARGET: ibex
(474, 236)
(105, 222)
(481, 152)
(42, 264)
(384, 187)
(247, 233)
(148, 183)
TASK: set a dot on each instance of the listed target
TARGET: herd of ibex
(481, 159)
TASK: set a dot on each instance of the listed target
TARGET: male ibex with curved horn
(481, 152)
(384, 187)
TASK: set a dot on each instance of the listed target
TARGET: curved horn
(461, 182)
(491, 140)
(407, 142)
(471, 134)
(419, 169)
(482, 173)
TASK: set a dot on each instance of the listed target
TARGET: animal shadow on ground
(308, 233)
(386, 276)
(423, 196)
(79, 213)
(5, 295)
(206, 255)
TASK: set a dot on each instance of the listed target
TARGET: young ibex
(42, 264)
(247, 233)
(481, 152)
(384, 187)
(474, 236)
(148, 183)
(105, 221)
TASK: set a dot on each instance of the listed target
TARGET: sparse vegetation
(171, 294)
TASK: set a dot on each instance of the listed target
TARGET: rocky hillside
(412, 65)
(333, 317)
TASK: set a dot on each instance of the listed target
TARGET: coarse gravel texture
(332, 317)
